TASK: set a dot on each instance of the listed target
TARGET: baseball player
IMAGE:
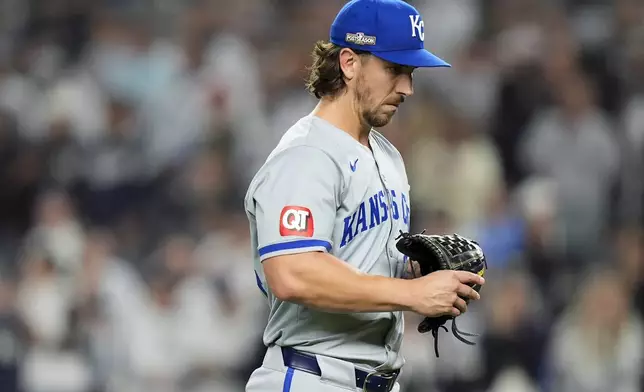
(325, 210)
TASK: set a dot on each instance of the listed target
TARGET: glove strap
(458, 334)
(435, 335)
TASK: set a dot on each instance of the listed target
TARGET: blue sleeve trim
(288, 379)
(294, 245)
(260, 285)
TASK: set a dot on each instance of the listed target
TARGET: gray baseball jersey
(321, 190)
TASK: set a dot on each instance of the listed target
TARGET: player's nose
(405, 86)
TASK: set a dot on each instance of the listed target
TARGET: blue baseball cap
(390, 29)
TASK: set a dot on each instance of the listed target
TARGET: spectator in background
(521, 42)
(109, 294)
(501, 231)
(45, 302)
(574, 143)
(543, 256)
(114, 169)
(629, 252)
(513, 380)
(21, 173)
(58, 232)
(447, 157)
(471, 84)
(632, 206)
(15, 337)
(598, 344)
(629, 15)
(22, 94)
(516, 329)
(42, 300)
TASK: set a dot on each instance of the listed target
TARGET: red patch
(297, 221)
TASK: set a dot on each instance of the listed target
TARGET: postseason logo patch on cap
(360, 39)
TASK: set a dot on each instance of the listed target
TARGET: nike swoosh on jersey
(353, 165)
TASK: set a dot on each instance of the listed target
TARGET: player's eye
(397, 70)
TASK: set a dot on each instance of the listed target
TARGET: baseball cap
(390, 29)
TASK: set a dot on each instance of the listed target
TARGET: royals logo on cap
(417, 27)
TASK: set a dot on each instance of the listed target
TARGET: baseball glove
(442, 252)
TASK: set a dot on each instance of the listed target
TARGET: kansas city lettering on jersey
(374, 212)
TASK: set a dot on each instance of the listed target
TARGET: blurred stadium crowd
(129, 130)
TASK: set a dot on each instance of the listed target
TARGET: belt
(369, 381)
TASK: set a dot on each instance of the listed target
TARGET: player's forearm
(320, 280)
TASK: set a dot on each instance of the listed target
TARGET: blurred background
(130, 129)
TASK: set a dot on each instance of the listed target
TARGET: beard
(371, 115)
(375, 119)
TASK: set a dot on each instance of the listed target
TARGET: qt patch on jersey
(296, 221)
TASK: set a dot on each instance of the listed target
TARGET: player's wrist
(399, 294)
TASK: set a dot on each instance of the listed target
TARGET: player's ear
(349, 63)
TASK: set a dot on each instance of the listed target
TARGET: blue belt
(375, 381)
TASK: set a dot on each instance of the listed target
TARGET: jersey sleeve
(295, 202)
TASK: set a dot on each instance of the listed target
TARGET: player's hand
(444, 293)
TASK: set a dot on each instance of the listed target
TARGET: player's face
(380, 88)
